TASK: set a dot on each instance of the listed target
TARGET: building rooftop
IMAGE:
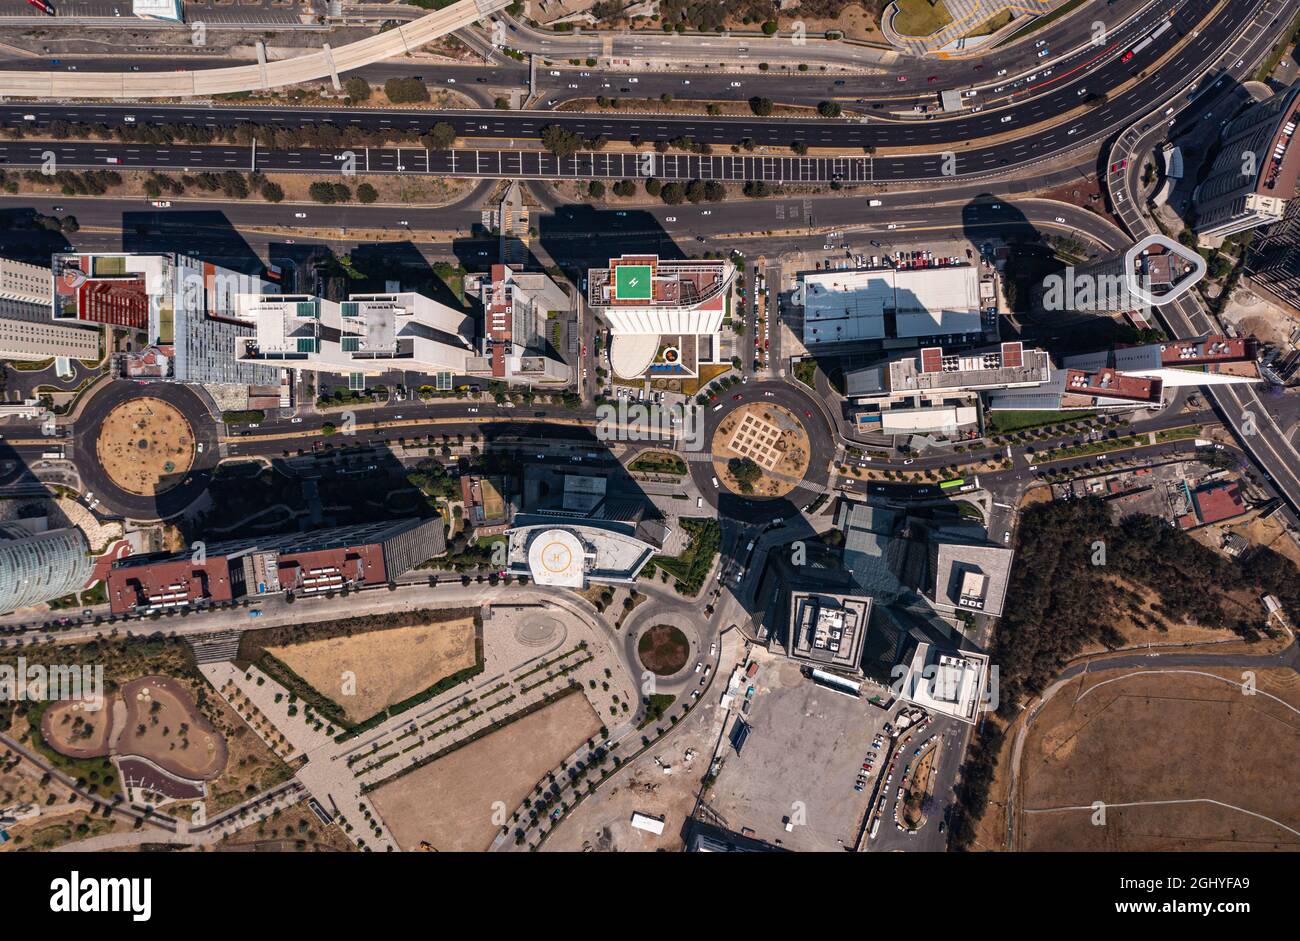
(828, 630)
(1219, 501)
(649, 281)
(570, 552)
(856, 304)
(1008, 366)
(950, 683)
(970, 576)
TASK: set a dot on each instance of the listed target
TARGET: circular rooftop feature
(632, 353)
(555, 557)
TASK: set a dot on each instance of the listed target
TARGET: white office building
(367, 334)
(664, 316)
(884, 304)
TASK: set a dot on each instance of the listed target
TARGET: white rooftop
(844, 306)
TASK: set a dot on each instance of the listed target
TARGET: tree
(441, 136)
(405, 90)
(653, 187)
(695, 191)
(829, 109)
(367, 193)
(272, 192)
(760, 106)
(561, 141)
(596, 189)
(357, 88)
(745, 472)
(799, 147)
(672, 193)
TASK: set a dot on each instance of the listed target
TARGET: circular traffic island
(760, 450)
(145, 446)
(663, 650)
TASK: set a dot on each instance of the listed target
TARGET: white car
(1002, 71)
(707, 212)
(715, 483)
(1061, 219)
(300, 215)
(735, 84)
(892, 226)
(161, 204)
(199, 448)
(1007, 119)
(129, 119)
(670, 219)
(295, 421)
(634, 80)
(451, 81)
(1044, 54)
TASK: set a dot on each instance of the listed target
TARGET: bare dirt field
(769, 435)
(449, 802)
(663, 649)
(163, 725)
(1126, 737)
(73, 730)
(388, 666)
(146, 446)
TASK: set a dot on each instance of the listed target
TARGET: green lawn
(1001, 422)
(921, 17)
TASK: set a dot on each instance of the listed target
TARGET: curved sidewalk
(199, 84)
(966, 16)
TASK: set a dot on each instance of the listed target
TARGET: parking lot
(800, 760)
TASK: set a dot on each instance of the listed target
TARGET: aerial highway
(1077, 124)
(240, 78)
(1239, 406)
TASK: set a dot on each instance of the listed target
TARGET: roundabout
(800, 481)
(145, 446)
(145, 451)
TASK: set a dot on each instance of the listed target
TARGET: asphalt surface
(1055, 96)
(95, 478)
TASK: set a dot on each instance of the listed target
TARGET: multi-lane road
(1072, 98)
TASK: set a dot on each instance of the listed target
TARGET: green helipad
(632, 282)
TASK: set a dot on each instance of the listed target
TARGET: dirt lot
(769, 435)
(73, 730)
(146, 446)
(449, 803)
(388, 665)
(1163, 737)
(163, 725)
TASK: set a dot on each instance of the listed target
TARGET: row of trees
(322, 134)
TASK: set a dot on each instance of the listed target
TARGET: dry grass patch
(1150, 736)
(386, 666)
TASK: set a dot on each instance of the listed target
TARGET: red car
(765, 345)
(1128, 55)
(807, 414)
(933, 78)
(902, 78)
(737, 397)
